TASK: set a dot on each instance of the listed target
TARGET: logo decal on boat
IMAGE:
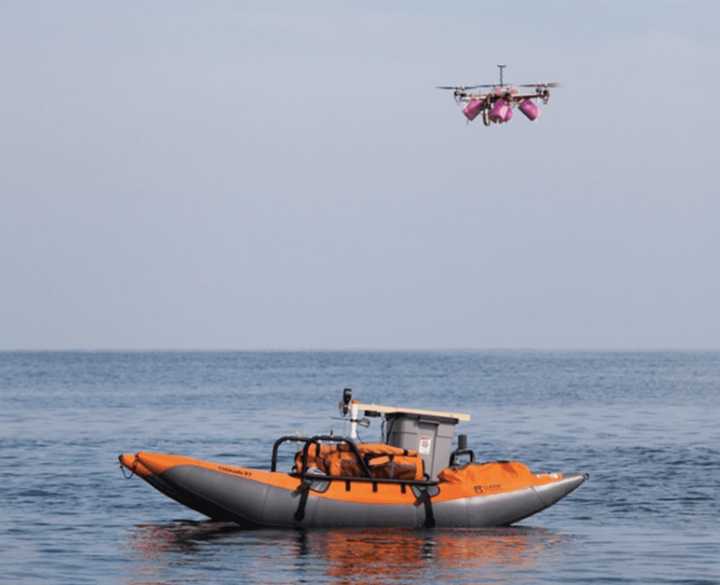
(242, 472)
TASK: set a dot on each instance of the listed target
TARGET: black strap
(423, 497)
(304, 491)
(429, 514)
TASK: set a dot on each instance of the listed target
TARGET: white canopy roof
(403, 410)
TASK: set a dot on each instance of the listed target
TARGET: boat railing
(316, 440)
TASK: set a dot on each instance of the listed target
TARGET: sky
(283, 175)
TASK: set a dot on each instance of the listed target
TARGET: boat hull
(254, 498)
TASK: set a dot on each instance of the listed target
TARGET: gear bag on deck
(384, 461)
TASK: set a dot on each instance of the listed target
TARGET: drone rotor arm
(523, 96)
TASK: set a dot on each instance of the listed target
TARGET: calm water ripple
(644, 425)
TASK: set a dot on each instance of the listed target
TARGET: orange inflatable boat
(412, 479)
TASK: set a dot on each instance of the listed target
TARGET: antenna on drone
(500, 68)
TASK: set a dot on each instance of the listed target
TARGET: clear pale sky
(284, 175)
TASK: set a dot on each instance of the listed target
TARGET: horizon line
(367, 350)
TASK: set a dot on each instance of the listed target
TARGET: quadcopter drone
(495, 101)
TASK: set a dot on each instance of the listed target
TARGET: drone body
(495, 102)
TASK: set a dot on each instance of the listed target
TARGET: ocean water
(646, 426)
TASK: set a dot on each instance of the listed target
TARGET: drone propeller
(465, 87)
(548, 84)
(456, 87)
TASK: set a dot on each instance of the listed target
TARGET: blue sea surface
(645, 426)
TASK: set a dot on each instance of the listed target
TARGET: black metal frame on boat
(315, 440)
(462, 449)
(459, 453)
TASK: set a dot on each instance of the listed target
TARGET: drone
(495, 101)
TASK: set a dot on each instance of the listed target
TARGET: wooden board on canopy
(381, 409)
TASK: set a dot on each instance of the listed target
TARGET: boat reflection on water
(183, 536)
(408, 555)
(339, 556)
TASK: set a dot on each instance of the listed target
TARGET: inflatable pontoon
(412, 479)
